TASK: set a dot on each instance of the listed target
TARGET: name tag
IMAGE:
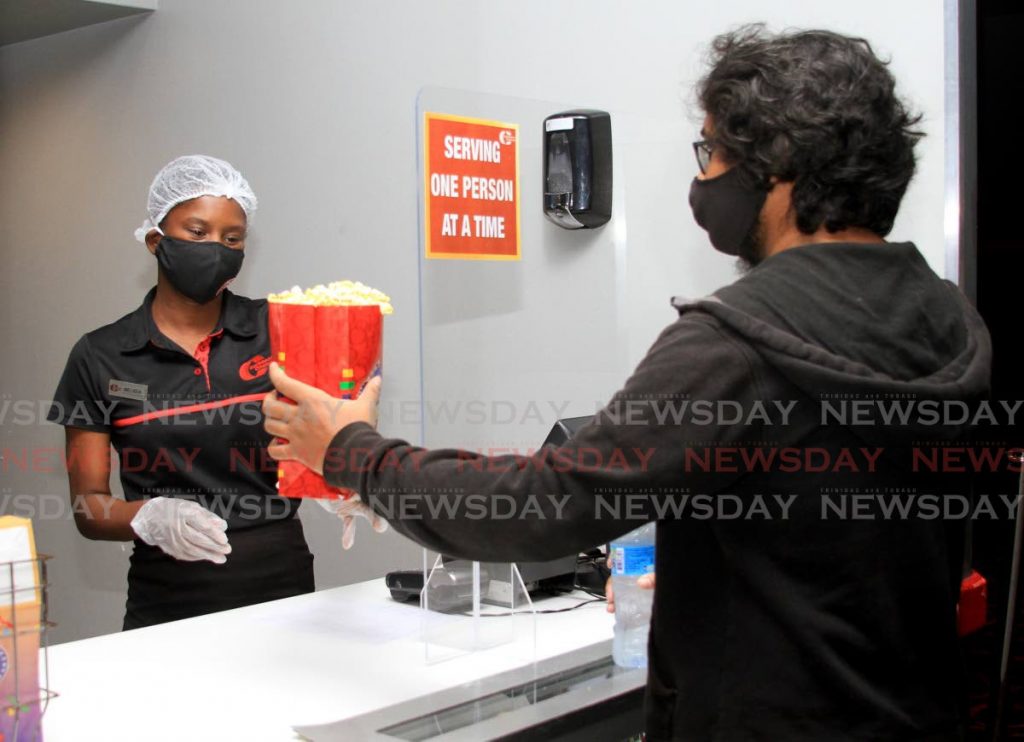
(127, 390)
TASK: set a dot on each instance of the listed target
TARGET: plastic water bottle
(632, 556)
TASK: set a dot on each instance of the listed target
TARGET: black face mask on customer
(199, 270)
(727, 209)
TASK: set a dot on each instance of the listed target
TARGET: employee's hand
(183, 529)
(348, 510)
(308, 426)
(644, 581)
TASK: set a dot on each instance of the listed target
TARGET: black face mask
(727, 209)
(199, 270)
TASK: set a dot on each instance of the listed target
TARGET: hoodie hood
(860, 320)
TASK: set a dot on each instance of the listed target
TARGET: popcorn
(294, 295)
(336, 294)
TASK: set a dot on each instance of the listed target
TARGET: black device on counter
(455, 591)
(578, 168)
(551, 574)
(405, 585)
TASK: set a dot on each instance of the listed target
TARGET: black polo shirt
(183, 425)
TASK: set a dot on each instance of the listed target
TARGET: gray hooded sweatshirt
(788, 435)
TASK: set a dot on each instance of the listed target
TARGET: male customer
(793, 601)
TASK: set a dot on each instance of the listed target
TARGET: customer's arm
(625, 468)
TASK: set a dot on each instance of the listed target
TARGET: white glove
(183, 529)
(348, 510)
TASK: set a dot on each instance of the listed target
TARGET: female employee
(175, 387)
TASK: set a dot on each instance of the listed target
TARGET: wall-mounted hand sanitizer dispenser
(578, 168)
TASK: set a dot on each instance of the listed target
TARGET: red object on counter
(973, 605)
(334, 348)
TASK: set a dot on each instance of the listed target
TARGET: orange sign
(471, 169)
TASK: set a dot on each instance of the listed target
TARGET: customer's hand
(183, 529)
(348, 510)
(644, 581)
(306, 428)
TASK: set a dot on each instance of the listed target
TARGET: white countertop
(252, 673)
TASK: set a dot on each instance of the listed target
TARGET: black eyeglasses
(702, 150)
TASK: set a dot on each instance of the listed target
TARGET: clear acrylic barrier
(507, 347)
(471, 606)
(485, 323)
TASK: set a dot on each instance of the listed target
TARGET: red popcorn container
(334, 348)
(293, 347)
(351, 354)
(348, 352)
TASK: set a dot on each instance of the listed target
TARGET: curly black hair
(818, 109)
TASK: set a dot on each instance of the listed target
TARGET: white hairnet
(189, 177)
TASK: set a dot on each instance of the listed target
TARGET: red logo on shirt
(254, 368)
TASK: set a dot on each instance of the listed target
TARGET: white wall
(315, 102)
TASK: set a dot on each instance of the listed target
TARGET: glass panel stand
(471, 606)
